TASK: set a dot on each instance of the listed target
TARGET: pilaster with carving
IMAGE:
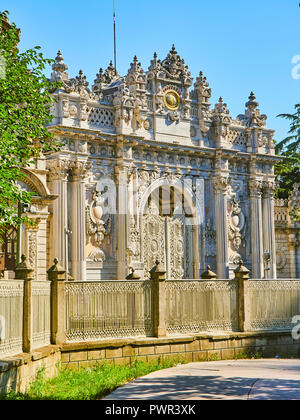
(256, 221)
(79, 170)
(269, 242)
(121, 173)
(221, 185)
(58, 177)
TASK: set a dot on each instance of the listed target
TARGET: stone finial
(60, 68)
(99, 82)
(111, 73)
(252, 116)
(202, 88)
(241, 272)
(221, 112)
(56, 272)
(23, 269)
(133, 275)
(81, 82)
(157, 269)
(252, 104)
(208, 274)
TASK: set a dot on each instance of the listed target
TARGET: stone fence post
(24, 272)
(56, 274)
(243, 301)
(158, 277)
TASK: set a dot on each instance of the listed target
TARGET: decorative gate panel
(175, 248)
(168, 240)
(153, 241)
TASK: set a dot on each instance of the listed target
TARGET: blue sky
(240, 45)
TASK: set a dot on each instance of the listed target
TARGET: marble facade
(149, 170)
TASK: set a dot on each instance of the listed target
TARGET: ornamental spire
(252, 116)
(59, 68)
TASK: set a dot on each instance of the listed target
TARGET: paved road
(268, 379)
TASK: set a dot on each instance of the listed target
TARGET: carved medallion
(172, 100)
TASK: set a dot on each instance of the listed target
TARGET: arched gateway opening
(170, 221)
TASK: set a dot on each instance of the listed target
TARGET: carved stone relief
(236, 231)
(99, 227)
(210, 239)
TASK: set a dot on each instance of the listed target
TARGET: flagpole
(115, 41)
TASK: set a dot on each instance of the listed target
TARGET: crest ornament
(172, 100)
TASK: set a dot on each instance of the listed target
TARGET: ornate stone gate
(147, 129)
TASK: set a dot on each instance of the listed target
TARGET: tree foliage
(288, 171)
(25, 103)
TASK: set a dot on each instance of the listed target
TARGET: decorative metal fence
(195, 306)
(98, 310)
(11, 317)
(273, 304)
(33, 313)
(41, 291)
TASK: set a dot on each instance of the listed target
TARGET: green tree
(25, 103)
(288, 171)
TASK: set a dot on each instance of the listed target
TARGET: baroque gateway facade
(148, 171)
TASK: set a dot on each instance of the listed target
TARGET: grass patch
(248, 354)
(91, 383)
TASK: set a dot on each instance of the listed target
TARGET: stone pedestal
(243, 302)
(24, 272)
(56, 274)
(158, 277)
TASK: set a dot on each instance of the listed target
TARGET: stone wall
(18, 372)
(196, 348)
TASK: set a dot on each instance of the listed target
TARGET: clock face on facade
(172, 100)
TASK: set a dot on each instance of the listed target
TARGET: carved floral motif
(236, 230)
(98, 227)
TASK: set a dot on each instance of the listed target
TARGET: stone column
(24, 272)
(122, 209)
(158, 277)
(269, 225)
(243, 302)
(56, 274)
(220, 187)
(78, 172)
(257, 249)
(58, 175)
